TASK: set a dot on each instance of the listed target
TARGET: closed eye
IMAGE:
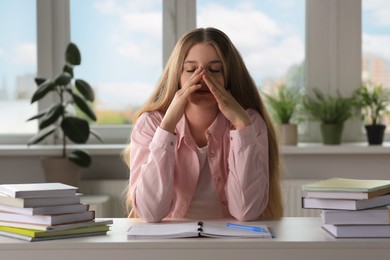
(214, 70)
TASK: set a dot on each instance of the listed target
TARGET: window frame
(333, 54)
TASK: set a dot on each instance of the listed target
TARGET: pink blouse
(164, 167)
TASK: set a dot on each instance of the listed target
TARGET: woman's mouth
(203, 91)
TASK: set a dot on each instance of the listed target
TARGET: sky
(121, 40)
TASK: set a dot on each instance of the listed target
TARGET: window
(121, 47)
(265, 32)
(375, 42)
(122, 44)
(18, 66)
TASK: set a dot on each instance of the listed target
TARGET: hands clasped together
(227, 104)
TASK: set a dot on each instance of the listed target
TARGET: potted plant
(373, 101)
(331, 111)
(61, 117)
(284, 107)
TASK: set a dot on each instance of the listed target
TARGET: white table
(295, 238)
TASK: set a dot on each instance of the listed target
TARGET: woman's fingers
(227, 104)
(195, 78)
(215, 88)
(177, 106)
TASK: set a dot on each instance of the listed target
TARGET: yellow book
(347, 185)
(49, 233)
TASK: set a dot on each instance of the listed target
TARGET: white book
(38, 202)
(37, 190)
(60, 209)
(56, 227)
(195, 229)
(375, 216)
(48, 219)
(358, 231)
(345, 204)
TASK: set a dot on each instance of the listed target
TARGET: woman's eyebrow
(210, 62)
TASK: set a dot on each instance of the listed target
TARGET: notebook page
(163, 230)
(221, 230)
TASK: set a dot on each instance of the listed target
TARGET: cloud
(379, 9)
(2, 53)
(25, 54)
(138, 34)
(377, 44)
(269, 48)
(120, 94)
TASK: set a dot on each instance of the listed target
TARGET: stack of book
(351, 207)
(46, 211)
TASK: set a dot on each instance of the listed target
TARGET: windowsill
(116, 149)
(360, 148)
(44, 150)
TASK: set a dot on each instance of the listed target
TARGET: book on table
(37, 190)
(358, 231)
(375, 216)
(58, 209)
(346, 195)
(34, 239)
(38, 202)
(196, 229)
(48, 219)
(347, 185)
(345, 204)
(37, 235)
(56, 227)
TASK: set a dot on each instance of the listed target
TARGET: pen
(243, 227)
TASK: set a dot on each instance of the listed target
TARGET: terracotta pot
(288, 134)
(61, 170)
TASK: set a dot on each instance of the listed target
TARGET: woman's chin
(202, 98)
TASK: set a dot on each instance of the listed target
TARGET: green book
(347, 185)
(51, 233)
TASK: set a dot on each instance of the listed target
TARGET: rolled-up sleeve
(152, 159)
(248, 180)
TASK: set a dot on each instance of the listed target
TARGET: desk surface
(295, 238)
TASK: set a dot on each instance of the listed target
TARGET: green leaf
(72, 54)
(79, 101)
(285, 104)
(76, 129)
(81, 158)
(63, 79)
(329, 109)
(85, 89)
(42, 90)
(39, 81)
(51, 116)
(68, 69)
(41, 135)
(39, 115)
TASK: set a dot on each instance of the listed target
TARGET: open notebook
(195, 229)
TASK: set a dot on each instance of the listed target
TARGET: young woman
(203, 146)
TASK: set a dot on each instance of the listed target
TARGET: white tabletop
(295, 238)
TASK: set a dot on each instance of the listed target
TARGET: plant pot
(288, 134)
(61, 170)
(375, 134)
(331, 133)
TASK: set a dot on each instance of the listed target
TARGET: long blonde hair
(238, 81)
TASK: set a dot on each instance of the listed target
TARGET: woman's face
(205, 56)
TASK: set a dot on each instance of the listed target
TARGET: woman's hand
(176, 109)
(227, 104)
